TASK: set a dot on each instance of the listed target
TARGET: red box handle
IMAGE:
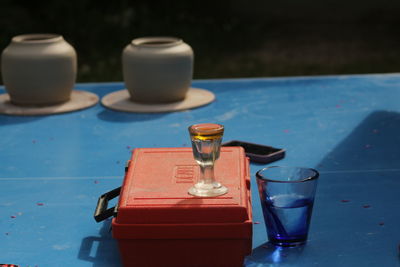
(102, 211)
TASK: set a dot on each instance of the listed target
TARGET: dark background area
(229, 38)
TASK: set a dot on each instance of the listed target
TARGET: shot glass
(206, 143)
(287, 199)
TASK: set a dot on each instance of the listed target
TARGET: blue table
(53, 168)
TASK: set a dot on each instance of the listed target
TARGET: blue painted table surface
(53, 168)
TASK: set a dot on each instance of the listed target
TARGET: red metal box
(159, 224)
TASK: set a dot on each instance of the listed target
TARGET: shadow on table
(11, 119)
(120, 116)
(101, 250)
(267, 254)
(373, 144)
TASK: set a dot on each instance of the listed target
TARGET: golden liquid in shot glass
(206, 141)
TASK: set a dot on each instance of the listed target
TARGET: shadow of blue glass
(374, 144)
(269, 255)
(101, 250)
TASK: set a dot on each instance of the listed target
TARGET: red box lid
(155, 188)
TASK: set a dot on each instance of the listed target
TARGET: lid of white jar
(156, 41)
(37, 38)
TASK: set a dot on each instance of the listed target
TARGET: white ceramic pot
(157, 69)
(39, 69)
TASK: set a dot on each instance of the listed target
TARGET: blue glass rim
(314, 176)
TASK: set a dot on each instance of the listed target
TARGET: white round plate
(79, 100)
(120, 101)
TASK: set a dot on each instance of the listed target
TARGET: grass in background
(229, 38)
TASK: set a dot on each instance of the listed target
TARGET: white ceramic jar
(39, 69)
(157, 69)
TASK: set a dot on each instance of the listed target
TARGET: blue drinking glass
(287, 198)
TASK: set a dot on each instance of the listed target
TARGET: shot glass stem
(207, 175)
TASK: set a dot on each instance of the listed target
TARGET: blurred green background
(229, 38)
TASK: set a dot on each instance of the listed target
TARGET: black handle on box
(101, 213)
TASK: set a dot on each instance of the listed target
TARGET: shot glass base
(209, 192)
